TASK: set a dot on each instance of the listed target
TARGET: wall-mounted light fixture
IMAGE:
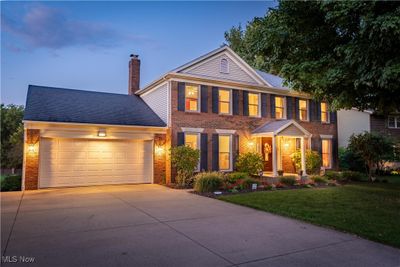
(102, 133)
(31, 148)
(250, 143)
(159, 150)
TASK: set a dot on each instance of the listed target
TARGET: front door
(266, 148)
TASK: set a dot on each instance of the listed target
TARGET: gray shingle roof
(273, 80)
(271, 127)
(78, 106)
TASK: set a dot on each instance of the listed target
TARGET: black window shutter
(181, 138)
(296, 108)
(264, 104)
(181, 96)
(215, 99)
(335, 155)
(235, 102)
(235, 148)
(204, 98)
(318, 111)
(272, 106)
(215, 152)
(289, 107)
(245, 103)
(333, 117)
(203, 152)
(313, 114)
(316, 145)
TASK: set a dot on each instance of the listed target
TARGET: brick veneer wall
(243, 124)
(160, 165)
(32, 159)
(379, 124)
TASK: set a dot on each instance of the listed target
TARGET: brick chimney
(134, 74)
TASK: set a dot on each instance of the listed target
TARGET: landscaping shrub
(208, 182)
(247, 183)
(349, 161)
(333, 175)
(234, 176)
(250, 163)
(185, 159)
(353, 176)
(287, 180)
(318, 179)
(313, 161)
(11, 183)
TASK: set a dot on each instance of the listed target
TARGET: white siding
(157, 99)
(212, 69)
(351, 122)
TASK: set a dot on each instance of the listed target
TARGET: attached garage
(81, 162)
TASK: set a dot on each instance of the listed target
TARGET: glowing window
(279, 107)
(224, 103)
(324, 112)
(326, 153)
(253, 104)
(303, 110)
(224, 152)
(191, 98)
(191, 140)
(224, 67)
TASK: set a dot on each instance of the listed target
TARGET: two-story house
(216, 103)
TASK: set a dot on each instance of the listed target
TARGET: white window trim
(259, 105)
(198, 145)
(284, 117)
(330, 152)
(230, 152)
(192, 130)
(230, 102)
(227, 66)
(308, 109)
(198, 99)
(328, 114)
(326, 136)
(225, 131)
(396, 122)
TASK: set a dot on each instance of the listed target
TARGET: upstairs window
(224, 65)
(324, 112)
(254, 100)
(394, 122)
(192, 98)
(279, 107)
(303, 110)
(224, 101)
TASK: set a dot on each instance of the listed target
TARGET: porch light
(159, 150)
(286, 145)
(101, 133)
(31, 148)
(250, 143)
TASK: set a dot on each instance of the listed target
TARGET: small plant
(247, 183)
(280, 172)
(185, 160)
(280, 185)
(333, 175)
(318, 179)
(208, 182)
(353, 176)
(287, 180)
(234, 176)
(250, 163)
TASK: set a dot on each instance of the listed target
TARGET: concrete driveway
(150, 225)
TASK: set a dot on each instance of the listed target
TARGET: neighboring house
(216, 103)
(355, 122)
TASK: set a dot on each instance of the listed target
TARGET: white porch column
(303, 156)
(274, 157)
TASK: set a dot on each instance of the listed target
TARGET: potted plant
(280, 172)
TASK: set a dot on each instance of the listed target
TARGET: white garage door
(73, 162)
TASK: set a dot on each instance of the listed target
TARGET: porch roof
(281, 127)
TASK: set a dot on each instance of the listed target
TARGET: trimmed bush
(353, 176)
(250, 163)
(318, 179)
(11, 183)
(287, 180)
(333, 175)
(185, 159)
(208, 182)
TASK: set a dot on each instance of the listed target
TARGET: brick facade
(379, 124)
(159, 159)
(31, 151)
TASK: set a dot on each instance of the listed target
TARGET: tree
(344, 52)
(12, 134)
(374, 149)
(185, 159)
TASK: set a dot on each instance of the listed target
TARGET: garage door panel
(73, 162)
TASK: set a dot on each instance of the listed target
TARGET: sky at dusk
(86, 45)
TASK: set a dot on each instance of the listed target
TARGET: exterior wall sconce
(102, 133)
(31, 148)
(159, 150)
(250, 143)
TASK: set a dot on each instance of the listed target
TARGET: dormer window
(224, 65)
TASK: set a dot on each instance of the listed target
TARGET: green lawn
(371, 211)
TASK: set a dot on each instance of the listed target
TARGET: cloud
(45, 27)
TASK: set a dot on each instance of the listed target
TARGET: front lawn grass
(369, 210)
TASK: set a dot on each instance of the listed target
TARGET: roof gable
(209, 66)
(281, 127)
